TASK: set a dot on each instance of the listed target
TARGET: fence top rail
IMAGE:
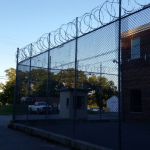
(96, 18)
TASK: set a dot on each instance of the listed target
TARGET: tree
(11, 74)
(1, 86)
(102, 90)
(7, 96)
(101, 87)
(38, 83)
(67, 77)
(39, 86)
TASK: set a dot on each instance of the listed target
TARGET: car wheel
(38, 111)
(46, 112)
(30, 111)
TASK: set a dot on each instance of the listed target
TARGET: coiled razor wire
(98, 17)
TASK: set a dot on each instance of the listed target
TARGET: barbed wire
(98, 17)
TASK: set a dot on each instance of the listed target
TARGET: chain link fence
(91, 86)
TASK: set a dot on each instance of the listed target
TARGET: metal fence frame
(29, 52)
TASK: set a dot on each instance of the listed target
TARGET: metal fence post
(76, 74)
(29, 80)
(48, 78)
(16, 84)
(100, 91)
(119, 73)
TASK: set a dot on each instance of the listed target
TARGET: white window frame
(135, 48)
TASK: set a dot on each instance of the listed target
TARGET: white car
(40, 107)
(24, 99)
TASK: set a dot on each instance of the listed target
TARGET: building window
(79, 102)
(136, 100)
(135, 48)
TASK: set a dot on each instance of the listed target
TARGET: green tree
(8, 93)
(11, 74)
(67, 77)
(1, 86)
(7, 96)
(102, 89)
(39, 84)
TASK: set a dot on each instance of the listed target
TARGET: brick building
(136, 73)
(53, 101)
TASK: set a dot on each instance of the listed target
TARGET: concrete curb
(56, 138)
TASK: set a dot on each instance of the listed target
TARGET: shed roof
(112, 98)
(72, 89)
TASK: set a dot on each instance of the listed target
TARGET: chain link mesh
(72, 89)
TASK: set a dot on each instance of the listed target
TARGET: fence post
(119, 74)
(48, 78)
(29, 80)
(100, 91)
(16, 84)
(76, 74)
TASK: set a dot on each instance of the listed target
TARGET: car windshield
(28, 99)
(41, 103)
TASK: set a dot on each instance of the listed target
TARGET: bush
(6, 109)
(106, 109)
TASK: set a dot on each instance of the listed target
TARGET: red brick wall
(136, 75)
(43, 99)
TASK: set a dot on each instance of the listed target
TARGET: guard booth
(67, 103)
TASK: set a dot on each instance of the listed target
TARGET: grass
(21, 109)
(6, 109)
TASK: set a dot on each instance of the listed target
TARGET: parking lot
(15, 140)
(103, 116)
(134, 135)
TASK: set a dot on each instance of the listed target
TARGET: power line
(6, 53)
(11, 38)
(3, 79)
(9, 42)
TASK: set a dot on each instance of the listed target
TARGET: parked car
(40, 107)
(26, 99)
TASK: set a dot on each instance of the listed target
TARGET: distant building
(53, 101)
(112, 104)
(136, 73)
(68, 103)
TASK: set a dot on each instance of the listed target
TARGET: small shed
(112, 104)
(70, 106)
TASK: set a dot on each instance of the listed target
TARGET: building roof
(113, 98)
(135, 30)
(72, 89)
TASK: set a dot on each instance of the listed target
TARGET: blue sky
(24, 21)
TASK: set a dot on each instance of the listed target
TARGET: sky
(24, 21)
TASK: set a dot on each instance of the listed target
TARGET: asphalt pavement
(104, 116)
(15, 140)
